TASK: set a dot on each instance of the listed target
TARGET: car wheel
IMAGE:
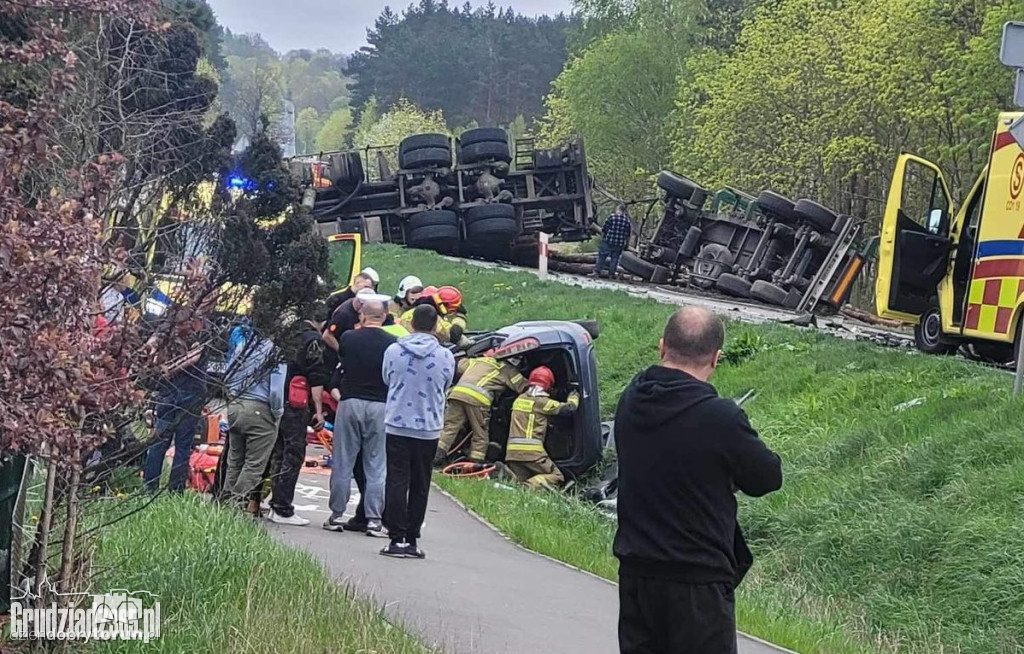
(484, 151)
(421, 141)
(816, 215)
(490, 211)
(767, 292)
(733, 285)
(483, 135)
(426, 158)
(634, 265)
(777, 206)
(432, 218)
(712, 261)
(928, 335)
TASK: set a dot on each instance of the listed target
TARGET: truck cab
(957, 274)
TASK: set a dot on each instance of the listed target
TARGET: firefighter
(470, 401)
(447, 300)
(410, 289)
(525, 455)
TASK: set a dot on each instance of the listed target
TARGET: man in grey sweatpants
(256, 383)
(359, 427)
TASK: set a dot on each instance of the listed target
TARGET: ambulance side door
(914, 246)
(346, 253)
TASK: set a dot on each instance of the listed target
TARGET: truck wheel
(489, 211)
(778, 207)
(690, 241)
(732, 285)
(712, 261)
(440, 238)
(434, 218)
(484, 151)
(928, 335)
(815, 214)
(492, 230)
(346, 170)
(636, 266)
(660, 275)
(767, 292)
(793, 298)
(483, 135)
(425, 158)
(677, 186)
(421, 141)
(783, 232)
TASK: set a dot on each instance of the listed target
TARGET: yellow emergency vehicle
(957, 274)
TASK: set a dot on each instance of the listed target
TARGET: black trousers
(288, 458)
(670, 617)
(360, 476)
(408, 485)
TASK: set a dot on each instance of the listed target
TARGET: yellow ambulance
(957, 274)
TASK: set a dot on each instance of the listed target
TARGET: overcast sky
(338, 25)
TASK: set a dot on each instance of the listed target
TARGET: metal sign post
(1011, 54)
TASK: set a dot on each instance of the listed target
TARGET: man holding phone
(683, 451)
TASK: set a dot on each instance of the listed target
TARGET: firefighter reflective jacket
(530, 423)
(445, 323)
(483, 377)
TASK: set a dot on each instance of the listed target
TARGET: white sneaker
(375, 529)
(295, 520)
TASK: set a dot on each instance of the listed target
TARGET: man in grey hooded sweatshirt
(418, 372)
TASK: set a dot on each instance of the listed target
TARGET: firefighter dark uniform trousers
(525, 455)
(470, 401)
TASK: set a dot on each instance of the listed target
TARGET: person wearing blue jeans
(614, 239)
(177, 419)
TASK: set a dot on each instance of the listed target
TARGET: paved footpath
(476, 591)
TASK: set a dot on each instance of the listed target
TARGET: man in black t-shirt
(359, 427)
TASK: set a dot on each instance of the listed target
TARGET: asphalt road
(476, 591)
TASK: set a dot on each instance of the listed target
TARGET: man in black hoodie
(683, 451)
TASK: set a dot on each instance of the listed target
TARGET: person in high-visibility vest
(451, 326)
(470, 401)
(525, 455)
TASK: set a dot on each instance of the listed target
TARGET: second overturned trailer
(473, 195)
(799, 255)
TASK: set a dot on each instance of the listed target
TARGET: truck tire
(433, 218)
(732, 285)
(483, 135)
(489, 211)
(815, 214)
(440, 238)
(709, 271)
(928, 334)
(767, 292)
(793, 298)
(346, 170)
(777, 206)
(690, 241)
(677, 186)
(484, 151)
(784, 232)
(634, 265)
(660, 275)
(492, 229)
(421, 141)
(425, 158)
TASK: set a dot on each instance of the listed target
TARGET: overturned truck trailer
(800, 255)
(474, 195)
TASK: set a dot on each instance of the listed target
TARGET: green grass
(226, 586)
(897, 530)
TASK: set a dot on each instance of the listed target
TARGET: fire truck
(477, 194)
(957, 273)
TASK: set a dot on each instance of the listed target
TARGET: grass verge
(226, 586)
(899, 525)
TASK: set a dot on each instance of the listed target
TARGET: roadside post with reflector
(542, 244)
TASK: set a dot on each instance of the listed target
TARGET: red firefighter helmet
(543, 377)
(450, 297)
(429, 291)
